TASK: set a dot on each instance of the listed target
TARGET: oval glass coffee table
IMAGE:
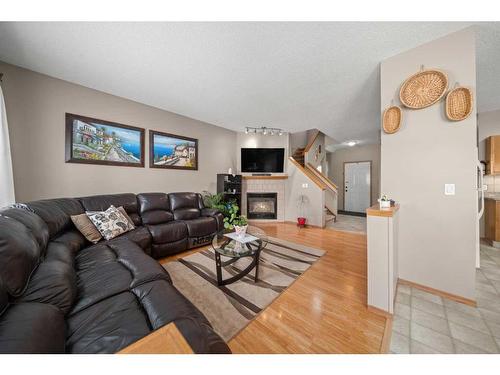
(236, 248)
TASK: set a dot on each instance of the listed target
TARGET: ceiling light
(246, 130)
(280, 132)
(264, 131)
(351, 143)
(272, 132)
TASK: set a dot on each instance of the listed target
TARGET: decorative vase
(301, 221)
(240, 230)
(385, 204)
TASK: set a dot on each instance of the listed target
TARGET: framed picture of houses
(172, 151)
(93, 141)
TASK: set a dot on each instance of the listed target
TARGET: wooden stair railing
(309, 174)
(329, 183)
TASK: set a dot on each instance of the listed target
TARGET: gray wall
(437, 233)
(36, 106)
(336, 162)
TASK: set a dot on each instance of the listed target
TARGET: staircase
(299, 156)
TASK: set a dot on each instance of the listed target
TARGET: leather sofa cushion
(201, 227)
(154, 208)
(32, 221)
(170, 232)
(57, 213)
(32, 327)
(183, 200)
(102, 202)
(54, 283)
(140, 236)
(4, 298)
(110, 268)
(60, 252)
(19, 255)
(189, 320)
(165, 249)
(108, 326)
(73, 239)
(186, 214)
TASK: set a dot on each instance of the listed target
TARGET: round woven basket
(459, 104)
(391, 119)
(423, 89)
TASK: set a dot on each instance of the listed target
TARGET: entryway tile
(399, 344)
(494, 328)
(467, 320)
(463, 348)
(403, 298)
(427, 296)
(402, 288)
(431, 321)
(472, 337)
(490, 316)
(419, 348)
(402, 310)
(487, 287)
(431, 338)
(492, 304)
(449, 304)
(401, 325)
(426, 306)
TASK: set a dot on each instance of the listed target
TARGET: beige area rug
(230, 308)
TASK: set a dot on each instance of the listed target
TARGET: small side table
(165, 340)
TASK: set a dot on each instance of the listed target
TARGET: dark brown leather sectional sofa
(60, 293)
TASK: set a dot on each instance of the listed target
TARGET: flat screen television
(262, 160)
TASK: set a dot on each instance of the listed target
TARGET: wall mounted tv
(262, 160)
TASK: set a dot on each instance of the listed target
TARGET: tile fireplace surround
(265, 186)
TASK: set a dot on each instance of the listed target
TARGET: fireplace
(262, 205)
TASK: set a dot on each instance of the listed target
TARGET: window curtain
(6, 175)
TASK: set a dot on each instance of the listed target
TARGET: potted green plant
(384, 202)
(237, 222)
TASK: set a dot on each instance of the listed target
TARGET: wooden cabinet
(493, 154)
(492, 220)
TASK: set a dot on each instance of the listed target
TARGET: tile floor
(348, 223)
(427, 323)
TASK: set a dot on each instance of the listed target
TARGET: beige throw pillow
(86, 227)
(110, 223)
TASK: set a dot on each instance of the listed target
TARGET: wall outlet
(305, 185)
(449, 189)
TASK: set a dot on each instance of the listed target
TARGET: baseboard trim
(440, 293)
(379, 311)
(386, 339)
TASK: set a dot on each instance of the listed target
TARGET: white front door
(357, 190)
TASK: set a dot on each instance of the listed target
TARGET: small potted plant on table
(238, 223)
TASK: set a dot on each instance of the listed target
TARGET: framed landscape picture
(172, 151)
(93, 141)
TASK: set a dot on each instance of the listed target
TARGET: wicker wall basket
(423, 89)
(391, 120)
(459, 104)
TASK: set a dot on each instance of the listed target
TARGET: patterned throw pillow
(110, 223)
(131, 225)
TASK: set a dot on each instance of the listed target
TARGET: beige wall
(336, 162)
(36, 106)
(437, 233)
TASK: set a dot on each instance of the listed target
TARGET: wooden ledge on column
(272, 177)
(375, 210)
(165, 340)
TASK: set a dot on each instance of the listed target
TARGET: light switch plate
(449, 189)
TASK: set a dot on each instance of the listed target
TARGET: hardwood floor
(325, 310)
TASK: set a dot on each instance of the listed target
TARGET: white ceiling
(294, 76)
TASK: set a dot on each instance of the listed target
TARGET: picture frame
(171, 151)
(101, 142)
